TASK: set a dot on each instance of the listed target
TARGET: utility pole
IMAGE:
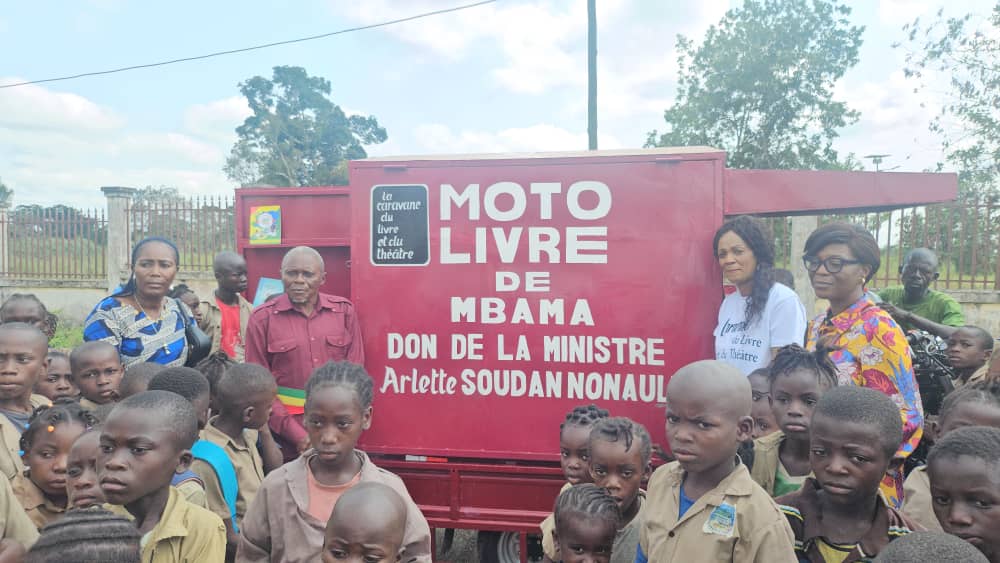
(592, 73)
(877, 159)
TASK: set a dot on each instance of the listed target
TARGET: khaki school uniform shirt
(246, 462)
(194, 492)
(14, 523)
(211, 323)
(805, 515)
(918, 504)
(185, 534)
(40, 510)
(10, 450)
(549, 524)
(767, 462)
(766, 458)
(279, 529)
(736, 521)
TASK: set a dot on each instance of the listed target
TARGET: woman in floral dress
(871, 349)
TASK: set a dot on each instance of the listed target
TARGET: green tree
(6, 194)
(297, 136)
(966, 50)
(760, 85)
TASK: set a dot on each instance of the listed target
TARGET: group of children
(784, 465)
(159, 464)
(177, 464)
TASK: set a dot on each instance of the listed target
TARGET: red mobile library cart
(497, 292)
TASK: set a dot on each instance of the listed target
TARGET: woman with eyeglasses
(870, 350)
(761, 316)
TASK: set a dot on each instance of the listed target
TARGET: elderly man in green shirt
(914, 305)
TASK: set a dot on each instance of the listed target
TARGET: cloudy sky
(509, 76)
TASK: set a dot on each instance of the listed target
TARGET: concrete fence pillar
(119, 245)
(5, 228)
(802, 227)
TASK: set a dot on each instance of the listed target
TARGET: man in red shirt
(224, 317)
(297, 332)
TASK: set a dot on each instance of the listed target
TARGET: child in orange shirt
(286, 521)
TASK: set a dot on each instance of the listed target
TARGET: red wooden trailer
(496, 292)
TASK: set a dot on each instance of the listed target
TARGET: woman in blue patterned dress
(138, 318)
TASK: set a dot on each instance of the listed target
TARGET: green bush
(67, 336)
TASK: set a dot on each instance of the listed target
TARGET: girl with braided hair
(286, 521)
(798, 379)
(587, 521)
(761, 316)
(46, 443)
(574, 458)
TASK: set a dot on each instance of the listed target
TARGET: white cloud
(894, 120)
(58, 147)
(217, 120)
(436, 138)
(36, 107)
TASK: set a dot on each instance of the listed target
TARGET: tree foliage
(760, 85)
(6, 194)
(297, 136)
(967, 51)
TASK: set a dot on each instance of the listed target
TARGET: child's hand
(304, 444)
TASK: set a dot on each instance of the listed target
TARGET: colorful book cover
(265, 224)
(266, 288)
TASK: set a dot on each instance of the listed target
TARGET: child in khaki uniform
(244, 395)
(840, 515)
(704, 506)
(286, 522)
(23, 352)
(798, 378)
(969, 352)
(976, 404)
(144, 441)
(57, 383)
(574, 458)
(97, 372)
(963, 467)
(46, 442)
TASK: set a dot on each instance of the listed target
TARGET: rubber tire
(504, 547)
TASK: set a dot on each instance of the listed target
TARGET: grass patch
(67, 337)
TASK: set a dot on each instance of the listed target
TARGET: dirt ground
(463, 550)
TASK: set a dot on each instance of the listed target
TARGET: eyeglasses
(833, 264)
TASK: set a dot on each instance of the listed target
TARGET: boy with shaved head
(705, 506)
(296, 333)
(224, 317)
(367, 524)
(969, 352)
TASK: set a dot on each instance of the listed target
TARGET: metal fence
(965, 235)
(57, 242)
(199, 226)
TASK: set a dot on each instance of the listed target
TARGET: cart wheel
(504, 547)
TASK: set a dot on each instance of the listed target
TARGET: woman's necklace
(158, 323)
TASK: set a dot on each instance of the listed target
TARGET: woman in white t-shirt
(762, 315)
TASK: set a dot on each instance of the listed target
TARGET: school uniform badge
(722, 521)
